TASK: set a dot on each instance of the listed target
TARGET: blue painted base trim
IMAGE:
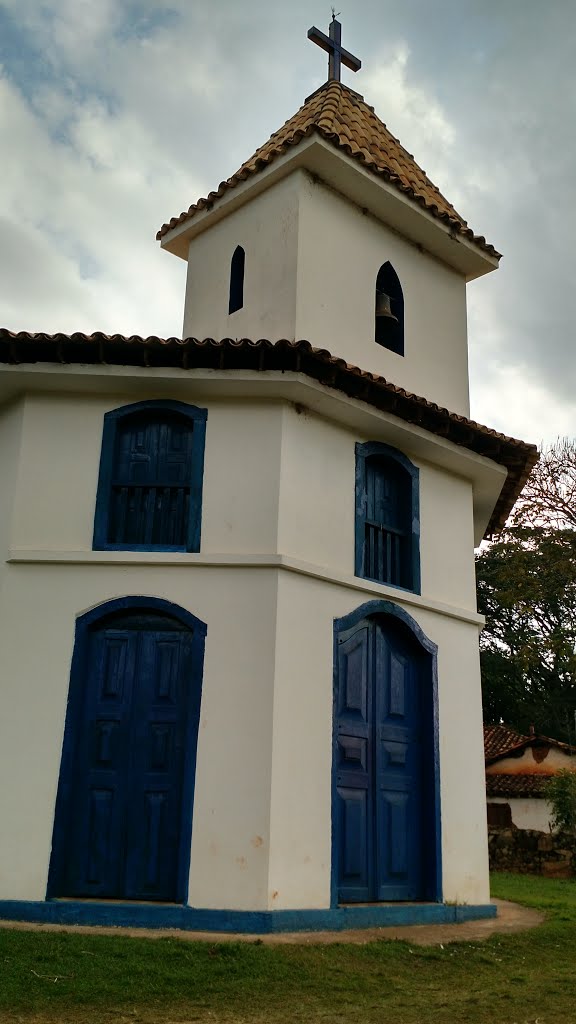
(256, 922)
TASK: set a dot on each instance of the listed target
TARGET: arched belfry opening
(236, 299)
(389, 310)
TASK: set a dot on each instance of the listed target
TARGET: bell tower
(331, 232)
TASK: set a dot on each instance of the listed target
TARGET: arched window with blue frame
(387, 517)
(150, 482)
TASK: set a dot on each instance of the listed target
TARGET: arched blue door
(384, 821)
(123, 816)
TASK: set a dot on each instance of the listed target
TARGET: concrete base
(148, 915)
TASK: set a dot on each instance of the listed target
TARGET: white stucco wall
(232, 799)
(277, 483)
(463, 788)
(261, 835)
(241, 478)
(267, 230)
(340, 251)
(317, 502)
(317, 507)
(277, 479)
(527, 812)
(300, 849)
(447, 537)
(10, 435)
(312, 258)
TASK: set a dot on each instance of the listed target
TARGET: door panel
(397, 823)
(119, 828)
(354, 846)
(398, 754)
(100, 838)
(378, 764)
(353, 757)
(159, 730)
(101, 766)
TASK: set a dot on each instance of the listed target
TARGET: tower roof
(340, 116)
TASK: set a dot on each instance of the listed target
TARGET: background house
(517, 770)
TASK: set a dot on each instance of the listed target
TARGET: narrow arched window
(150, 483)
(389, 310)
(387, 517)
(236, 300)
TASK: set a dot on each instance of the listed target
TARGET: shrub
(561, 792)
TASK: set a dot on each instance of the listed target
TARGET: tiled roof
(541, 739)
(340, 116)
(296, 356)
(498, 739)
(516, 785)
(501, 740)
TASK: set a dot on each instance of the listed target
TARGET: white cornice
(371, 193)
(278, 562)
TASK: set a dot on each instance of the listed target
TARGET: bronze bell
(383, 307)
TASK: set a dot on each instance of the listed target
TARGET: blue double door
(382, 767)
(123, 815)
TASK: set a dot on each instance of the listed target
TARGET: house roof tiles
(516, 785)
(501, 741)
(340, 116)
(300, 357)
(498, 739)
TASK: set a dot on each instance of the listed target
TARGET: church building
(239, 664)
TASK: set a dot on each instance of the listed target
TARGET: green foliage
(73, 978)
(561, 792)
(526, 582)
(555, 895)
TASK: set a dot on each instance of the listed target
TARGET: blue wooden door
(129, 732)
(378, 762)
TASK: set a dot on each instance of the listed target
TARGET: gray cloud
(119, 115)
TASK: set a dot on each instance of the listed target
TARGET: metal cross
(338, 55)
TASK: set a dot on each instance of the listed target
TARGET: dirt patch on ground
(511, 918)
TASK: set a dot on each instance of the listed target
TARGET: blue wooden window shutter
(387, 539)
(150, 483)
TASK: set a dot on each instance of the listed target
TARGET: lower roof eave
(497, 465)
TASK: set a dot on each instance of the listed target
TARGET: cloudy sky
(117, 114)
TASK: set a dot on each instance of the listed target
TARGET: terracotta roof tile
(568, 748)
(501, 740)
(296, 356)
(341, 117)
(516, 785)
(498, 739)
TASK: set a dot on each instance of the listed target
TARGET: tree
(526, 589)
(526, 583)
(549, 497)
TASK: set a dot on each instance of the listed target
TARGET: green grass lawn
(514, 979)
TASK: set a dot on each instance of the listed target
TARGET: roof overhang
(114, 362)
(371, 192)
